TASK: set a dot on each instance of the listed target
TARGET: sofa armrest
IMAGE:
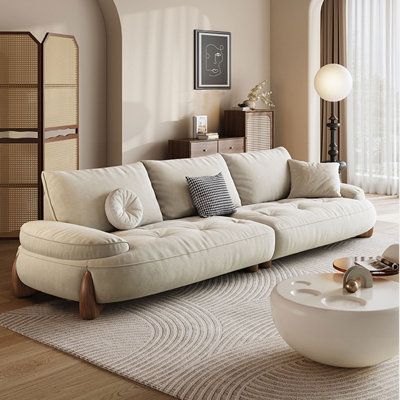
(69, 242)
(351, 192)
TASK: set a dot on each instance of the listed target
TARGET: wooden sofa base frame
(19, 288)
(88, 307)
(367, 234)
(255, 268)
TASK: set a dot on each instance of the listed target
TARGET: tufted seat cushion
(161, 256)
(302, 224)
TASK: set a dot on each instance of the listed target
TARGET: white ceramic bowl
(322, 321)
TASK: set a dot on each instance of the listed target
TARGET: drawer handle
(230, 147)
(204, 149)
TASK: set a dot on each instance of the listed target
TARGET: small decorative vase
(250, 103)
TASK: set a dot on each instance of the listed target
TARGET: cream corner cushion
(69, 242)
(311, 179)
(124, 209)
(169, 182)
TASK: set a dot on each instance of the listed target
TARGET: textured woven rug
(211, 340)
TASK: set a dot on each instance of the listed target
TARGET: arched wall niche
(150, 69)
(314, 63)
(295, 58)
(292, 37)
(114, 81)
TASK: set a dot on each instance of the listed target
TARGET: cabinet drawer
(231, 145)
(203, 148)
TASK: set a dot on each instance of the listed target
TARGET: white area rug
(212, 340)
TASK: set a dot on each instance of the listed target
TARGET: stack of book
(207, 136)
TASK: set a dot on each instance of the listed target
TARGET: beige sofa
(76, 253)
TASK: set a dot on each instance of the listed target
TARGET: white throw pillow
(311, 179)
(124, 209)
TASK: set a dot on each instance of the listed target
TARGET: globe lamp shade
(333, 82)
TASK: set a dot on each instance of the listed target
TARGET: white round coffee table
(322, 321)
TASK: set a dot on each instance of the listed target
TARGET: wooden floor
(30, 370)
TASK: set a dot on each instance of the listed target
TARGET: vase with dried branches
(258, 93)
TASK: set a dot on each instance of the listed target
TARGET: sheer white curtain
(373, 113)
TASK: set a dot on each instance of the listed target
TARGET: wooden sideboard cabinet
(190, 148)
(256, 126)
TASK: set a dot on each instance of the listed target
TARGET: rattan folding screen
(39, 120)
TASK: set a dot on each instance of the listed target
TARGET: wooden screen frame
(40, 128)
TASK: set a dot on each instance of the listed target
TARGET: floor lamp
(333, 82)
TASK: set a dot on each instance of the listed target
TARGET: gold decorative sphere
(352, 286)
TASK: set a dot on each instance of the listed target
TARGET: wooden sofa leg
(266, 264)
(253, 268)
(19, 288)
(367, 234)
(88, 308)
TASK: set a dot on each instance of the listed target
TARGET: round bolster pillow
(124, 209)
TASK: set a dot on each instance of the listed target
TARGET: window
(373, 120)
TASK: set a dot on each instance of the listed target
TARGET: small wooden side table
(190, 148)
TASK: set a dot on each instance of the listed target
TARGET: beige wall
(83, 19)
(158, 99)
(294, 62)
(150, 96)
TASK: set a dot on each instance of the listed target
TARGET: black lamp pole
(333, 152)
(333, 126)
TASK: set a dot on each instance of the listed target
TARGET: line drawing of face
(214, 59)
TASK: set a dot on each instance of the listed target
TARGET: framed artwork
(212, 60)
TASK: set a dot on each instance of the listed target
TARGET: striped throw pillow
(210, 195)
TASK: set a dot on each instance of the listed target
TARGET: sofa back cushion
(260, 176)
(169, 182)
(78, 197)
